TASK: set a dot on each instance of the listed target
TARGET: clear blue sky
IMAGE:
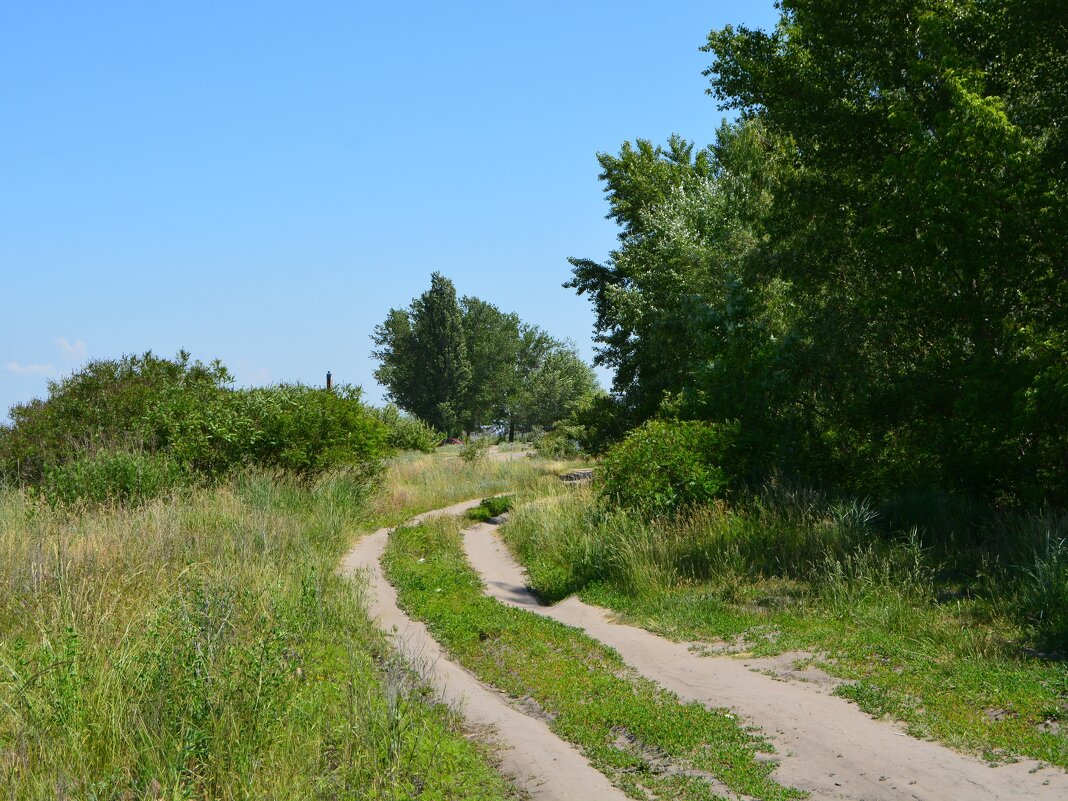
(261, 182)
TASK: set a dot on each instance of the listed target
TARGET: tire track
(532, 756)
(826, 745)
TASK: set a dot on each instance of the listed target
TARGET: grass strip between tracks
(641, 736)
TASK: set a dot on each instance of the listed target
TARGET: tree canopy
(867, 267)
(501, 371)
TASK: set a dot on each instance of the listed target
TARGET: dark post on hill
(329, 382)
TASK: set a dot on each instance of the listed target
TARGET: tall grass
(574, 541)
(203, 646)
(836, 552)
(959, 644)
(416, 482)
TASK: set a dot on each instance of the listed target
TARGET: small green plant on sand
(490, 508)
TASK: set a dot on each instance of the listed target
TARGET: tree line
(460, 364)
(865, 272)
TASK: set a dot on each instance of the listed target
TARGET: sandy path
(534, 758)
(825, 744)
(497, 455)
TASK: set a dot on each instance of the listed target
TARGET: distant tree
(425, 365)
(493, 339)
(557, 386)
(461, 365)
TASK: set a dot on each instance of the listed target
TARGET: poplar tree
(425, 366)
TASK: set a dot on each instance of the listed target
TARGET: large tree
(504, 372)
(923, 229)
(868, 269)
(425, 365)
(493, 342)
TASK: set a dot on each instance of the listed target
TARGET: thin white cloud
(249, 375)
(76, 351)
(31, 369)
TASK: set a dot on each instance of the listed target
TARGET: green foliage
(600, 422)
(475, 449)
(127, 429)
(560, 443)
(491, 507)
(664, 466)
(308, 431)
(863, 270)
(424, 358)
(408, 433)
(557, 385)
(111, 477)
(504, 372)
(113, 404)
(497, 345)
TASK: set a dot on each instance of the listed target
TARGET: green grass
(947, 664)
(204, 646)
(489, 508)
(624, 724)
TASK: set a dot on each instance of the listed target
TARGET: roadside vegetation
(939, 640)
(839, 412)
(172, 624)
(639, 735)
(838, 426)
(461, 364)
(201, 645)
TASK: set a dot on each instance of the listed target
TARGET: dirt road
(825, 744)
(534, 758)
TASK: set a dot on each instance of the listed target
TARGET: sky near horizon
(261, 182)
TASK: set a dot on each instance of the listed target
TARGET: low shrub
(408, 433)
(111, 477)
(560, 443)
(475, 449)
(491, 507)
(126, 427)
(664, 466)
(118, 404)
(308, 431)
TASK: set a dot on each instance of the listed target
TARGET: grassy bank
(927, 641)
(639, 735)
(203, 646)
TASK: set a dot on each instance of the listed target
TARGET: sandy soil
(497, 455)
(825, 744)
(534, 758)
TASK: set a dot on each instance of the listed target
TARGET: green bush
(491, 507)
(664, 466)
(186, 413)
(307, 430)
(601, 423)
(108, 405)
(408, 433)
(475, 449)
(560, 443)
(111, 477)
